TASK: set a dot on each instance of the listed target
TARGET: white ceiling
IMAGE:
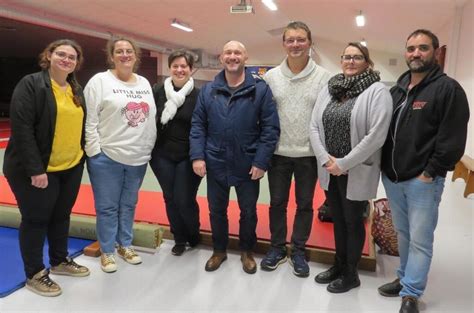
(388, 21)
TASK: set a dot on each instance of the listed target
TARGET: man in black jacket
(427, 138)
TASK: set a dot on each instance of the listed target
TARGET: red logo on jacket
(418, 105)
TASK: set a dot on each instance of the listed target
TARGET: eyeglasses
(290, 41)
(63, 55)
(355, 58)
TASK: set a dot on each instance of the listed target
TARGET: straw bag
(383, 230)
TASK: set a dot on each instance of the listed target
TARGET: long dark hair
(45, 64)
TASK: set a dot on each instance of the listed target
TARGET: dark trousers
(279, 180)
(218, 197)
(45, 213)
(349, 230)
(180, 186)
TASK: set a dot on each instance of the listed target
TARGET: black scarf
(349, 87)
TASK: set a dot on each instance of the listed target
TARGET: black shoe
(328, 276)
(178, 249)
(409, 305)
(349, 279)
(343, 284)
(391, 289)
(194, 241)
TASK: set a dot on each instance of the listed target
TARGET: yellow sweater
(67, 151)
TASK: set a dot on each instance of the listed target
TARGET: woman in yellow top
(44, 161)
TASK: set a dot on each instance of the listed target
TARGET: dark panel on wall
(23, 42)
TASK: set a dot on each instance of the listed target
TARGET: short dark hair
(363, 49)
(434, 38)
(110, 47)
(181, 53)
(298, 25)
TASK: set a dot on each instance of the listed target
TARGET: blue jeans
(180, 186)
(115, 187)
(414, 206)
(218, 198)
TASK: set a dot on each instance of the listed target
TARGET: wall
(464, 66)
(327, 55)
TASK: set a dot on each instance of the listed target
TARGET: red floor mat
(150, 208)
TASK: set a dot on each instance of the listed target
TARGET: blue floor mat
(12, 275)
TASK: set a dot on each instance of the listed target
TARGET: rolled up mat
(82, 226)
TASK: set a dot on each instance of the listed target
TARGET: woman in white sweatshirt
(120, 135)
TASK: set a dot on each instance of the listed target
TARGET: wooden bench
(465, 169)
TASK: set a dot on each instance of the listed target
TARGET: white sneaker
(129, 255)
(107, 262)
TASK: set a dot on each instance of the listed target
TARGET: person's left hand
(333, 168)
(256, 173)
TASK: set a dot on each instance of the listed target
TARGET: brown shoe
(215, 261)
(248, 263)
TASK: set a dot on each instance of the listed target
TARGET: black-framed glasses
(355, 58)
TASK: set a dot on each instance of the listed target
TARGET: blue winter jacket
(232, 132)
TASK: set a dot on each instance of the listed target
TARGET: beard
(421, 66)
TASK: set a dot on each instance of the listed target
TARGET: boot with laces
(107, 262)
(70, 268)
(41, 284)
(129, 255)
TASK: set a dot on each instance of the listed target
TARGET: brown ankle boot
(215, 261)
(248, 263)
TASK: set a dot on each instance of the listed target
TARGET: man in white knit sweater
(295, 84)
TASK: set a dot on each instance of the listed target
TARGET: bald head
(233, 45)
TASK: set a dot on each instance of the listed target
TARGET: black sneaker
(273, 258)
(300, 266)
(178, 249)
(391, 289)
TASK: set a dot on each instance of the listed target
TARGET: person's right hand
(199, 167)
(40, 181)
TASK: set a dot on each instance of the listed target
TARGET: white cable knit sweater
(296, 95)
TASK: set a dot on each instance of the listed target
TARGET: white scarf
(175, 99)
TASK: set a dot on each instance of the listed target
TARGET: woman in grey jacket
(348, 128)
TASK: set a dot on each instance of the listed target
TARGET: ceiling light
(363, 42)
(270, 5)
(181, 25)
(360, 20)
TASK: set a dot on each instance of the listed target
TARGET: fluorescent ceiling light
(360, 20)
(181, 25)
(270, 5)
(363, 42)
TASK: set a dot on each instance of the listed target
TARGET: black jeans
(180, 186)
(45, 213)
(218, 197)
(279, 181)
(348, 219)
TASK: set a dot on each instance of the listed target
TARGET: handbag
(383, 230)
(324, 213)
